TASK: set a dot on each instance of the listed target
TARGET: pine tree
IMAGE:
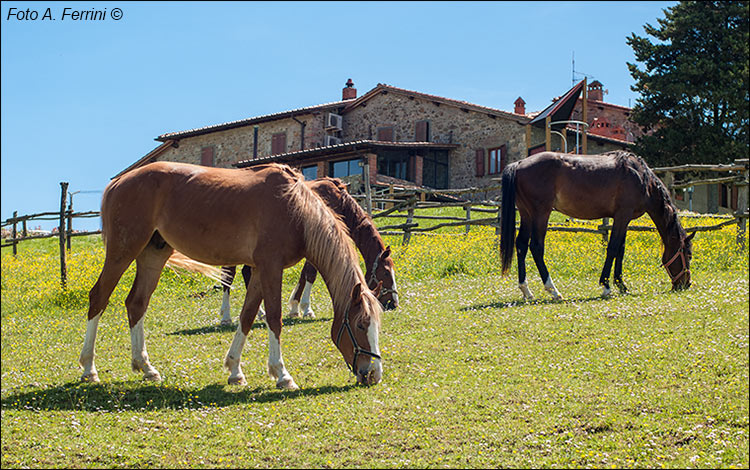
(694, 84)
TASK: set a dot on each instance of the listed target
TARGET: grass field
(473, 376)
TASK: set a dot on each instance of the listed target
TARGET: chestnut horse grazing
(378, 262)
(267, 219)
(615, 184)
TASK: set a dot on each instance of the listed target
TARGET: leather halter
(355, 346)
(374, 280)
(685, 269)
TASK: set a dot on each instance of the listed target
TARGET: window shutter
(207, 156)
(422, 133)
(480, 162)
(385, 134)
(503, 159)
(278, 143)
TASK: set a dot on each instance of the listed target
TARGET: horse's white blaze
(395, 289)
(376, 367)
(86, 360)
(139, 355)
(550, 286)
(232, 359)
(226, 317)
(526, 291)
(276, 368)
(304, 301)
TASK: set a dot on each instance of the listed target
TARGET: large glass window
(345, 168)
(310, 172)
(394, 163)
(436, 169)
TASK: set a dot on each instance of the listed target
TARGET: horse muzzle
(370, 375)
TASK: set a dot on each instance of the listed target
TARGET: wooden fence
(65, 231)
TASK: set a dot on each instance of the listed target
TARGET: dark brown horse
(378, 262)
(268, 219)
(616, 184)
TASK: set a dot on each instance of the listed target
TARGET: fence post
(605, 233)
(61, 230)
(368, 189)
(15, 233)
(407, 229)
(69, 233)
(467, 208)
(742, 202)
(24, 232)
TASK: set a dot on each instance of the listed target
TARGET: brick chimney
(349, 92)
(520, 106)
(596, 91)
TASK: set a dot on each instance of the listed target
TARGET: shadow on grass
(233, 326)
(141, 396)
(523, 303)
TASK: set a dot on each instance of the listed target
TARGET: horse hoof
(91, 378)
(154, 376)
(287, 384)
(226, 323)
(606, 291)
(239, 380)
(309, 314)
(293, 314)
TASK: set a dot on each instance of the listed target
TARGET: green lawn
(473, 376)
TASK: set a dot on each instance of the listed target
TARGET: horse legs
(227, 277)
(300, 297)
(99, 295)
(538, 233)
(615, 249)
(247, 273)
(247, 316)
(522, 247)
(149, 265)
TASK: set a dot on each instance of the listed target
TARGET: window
(344, 168)
(207, 156)
(435, 169)
(394, 163)
(310, 172)
(496, 161)
(723, 195)
(385, 134)
(422, 131)
(278, 143)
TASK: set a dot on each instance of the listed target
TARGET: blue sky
(81, 100)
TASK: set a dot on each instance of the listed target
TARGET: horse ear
(386, 253)
(690, 237)
(356, 294)
(376, 290)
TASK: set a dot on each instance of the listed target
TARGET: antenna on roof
(573, 75)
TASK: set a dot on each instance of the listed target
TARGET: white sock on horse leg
(304, 302)
(550, 286)
(139, 356)
(233, 356)
(86, 360)
(276, 368)
(526, 291)
(294, 303)
(226, 317)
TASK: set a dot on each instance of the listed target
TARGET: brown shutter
(503, 158)
(278, 143)
(207, 156)
(422, 134)
(480, 162)
(735, 198)
(385, 134)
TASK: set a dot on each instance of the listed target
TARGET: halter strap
(373, 280)
(685, 269)
(357, 349)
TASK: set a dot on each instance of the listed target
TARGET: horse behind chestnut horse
(615, 184)
(268, 219)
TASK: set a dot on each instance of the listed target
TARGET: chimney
(520, 106)
(349, 92)
(595, 91)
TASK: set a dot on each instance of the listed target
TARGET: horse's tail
(508, 216)
(179, 261)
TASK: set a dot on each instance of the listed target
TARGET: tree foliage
(693, 84)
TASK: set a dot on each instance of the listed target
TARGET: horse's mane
(657, 192)
(327, 241)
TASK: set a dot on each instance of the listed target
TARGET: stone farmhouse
(389, 135)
